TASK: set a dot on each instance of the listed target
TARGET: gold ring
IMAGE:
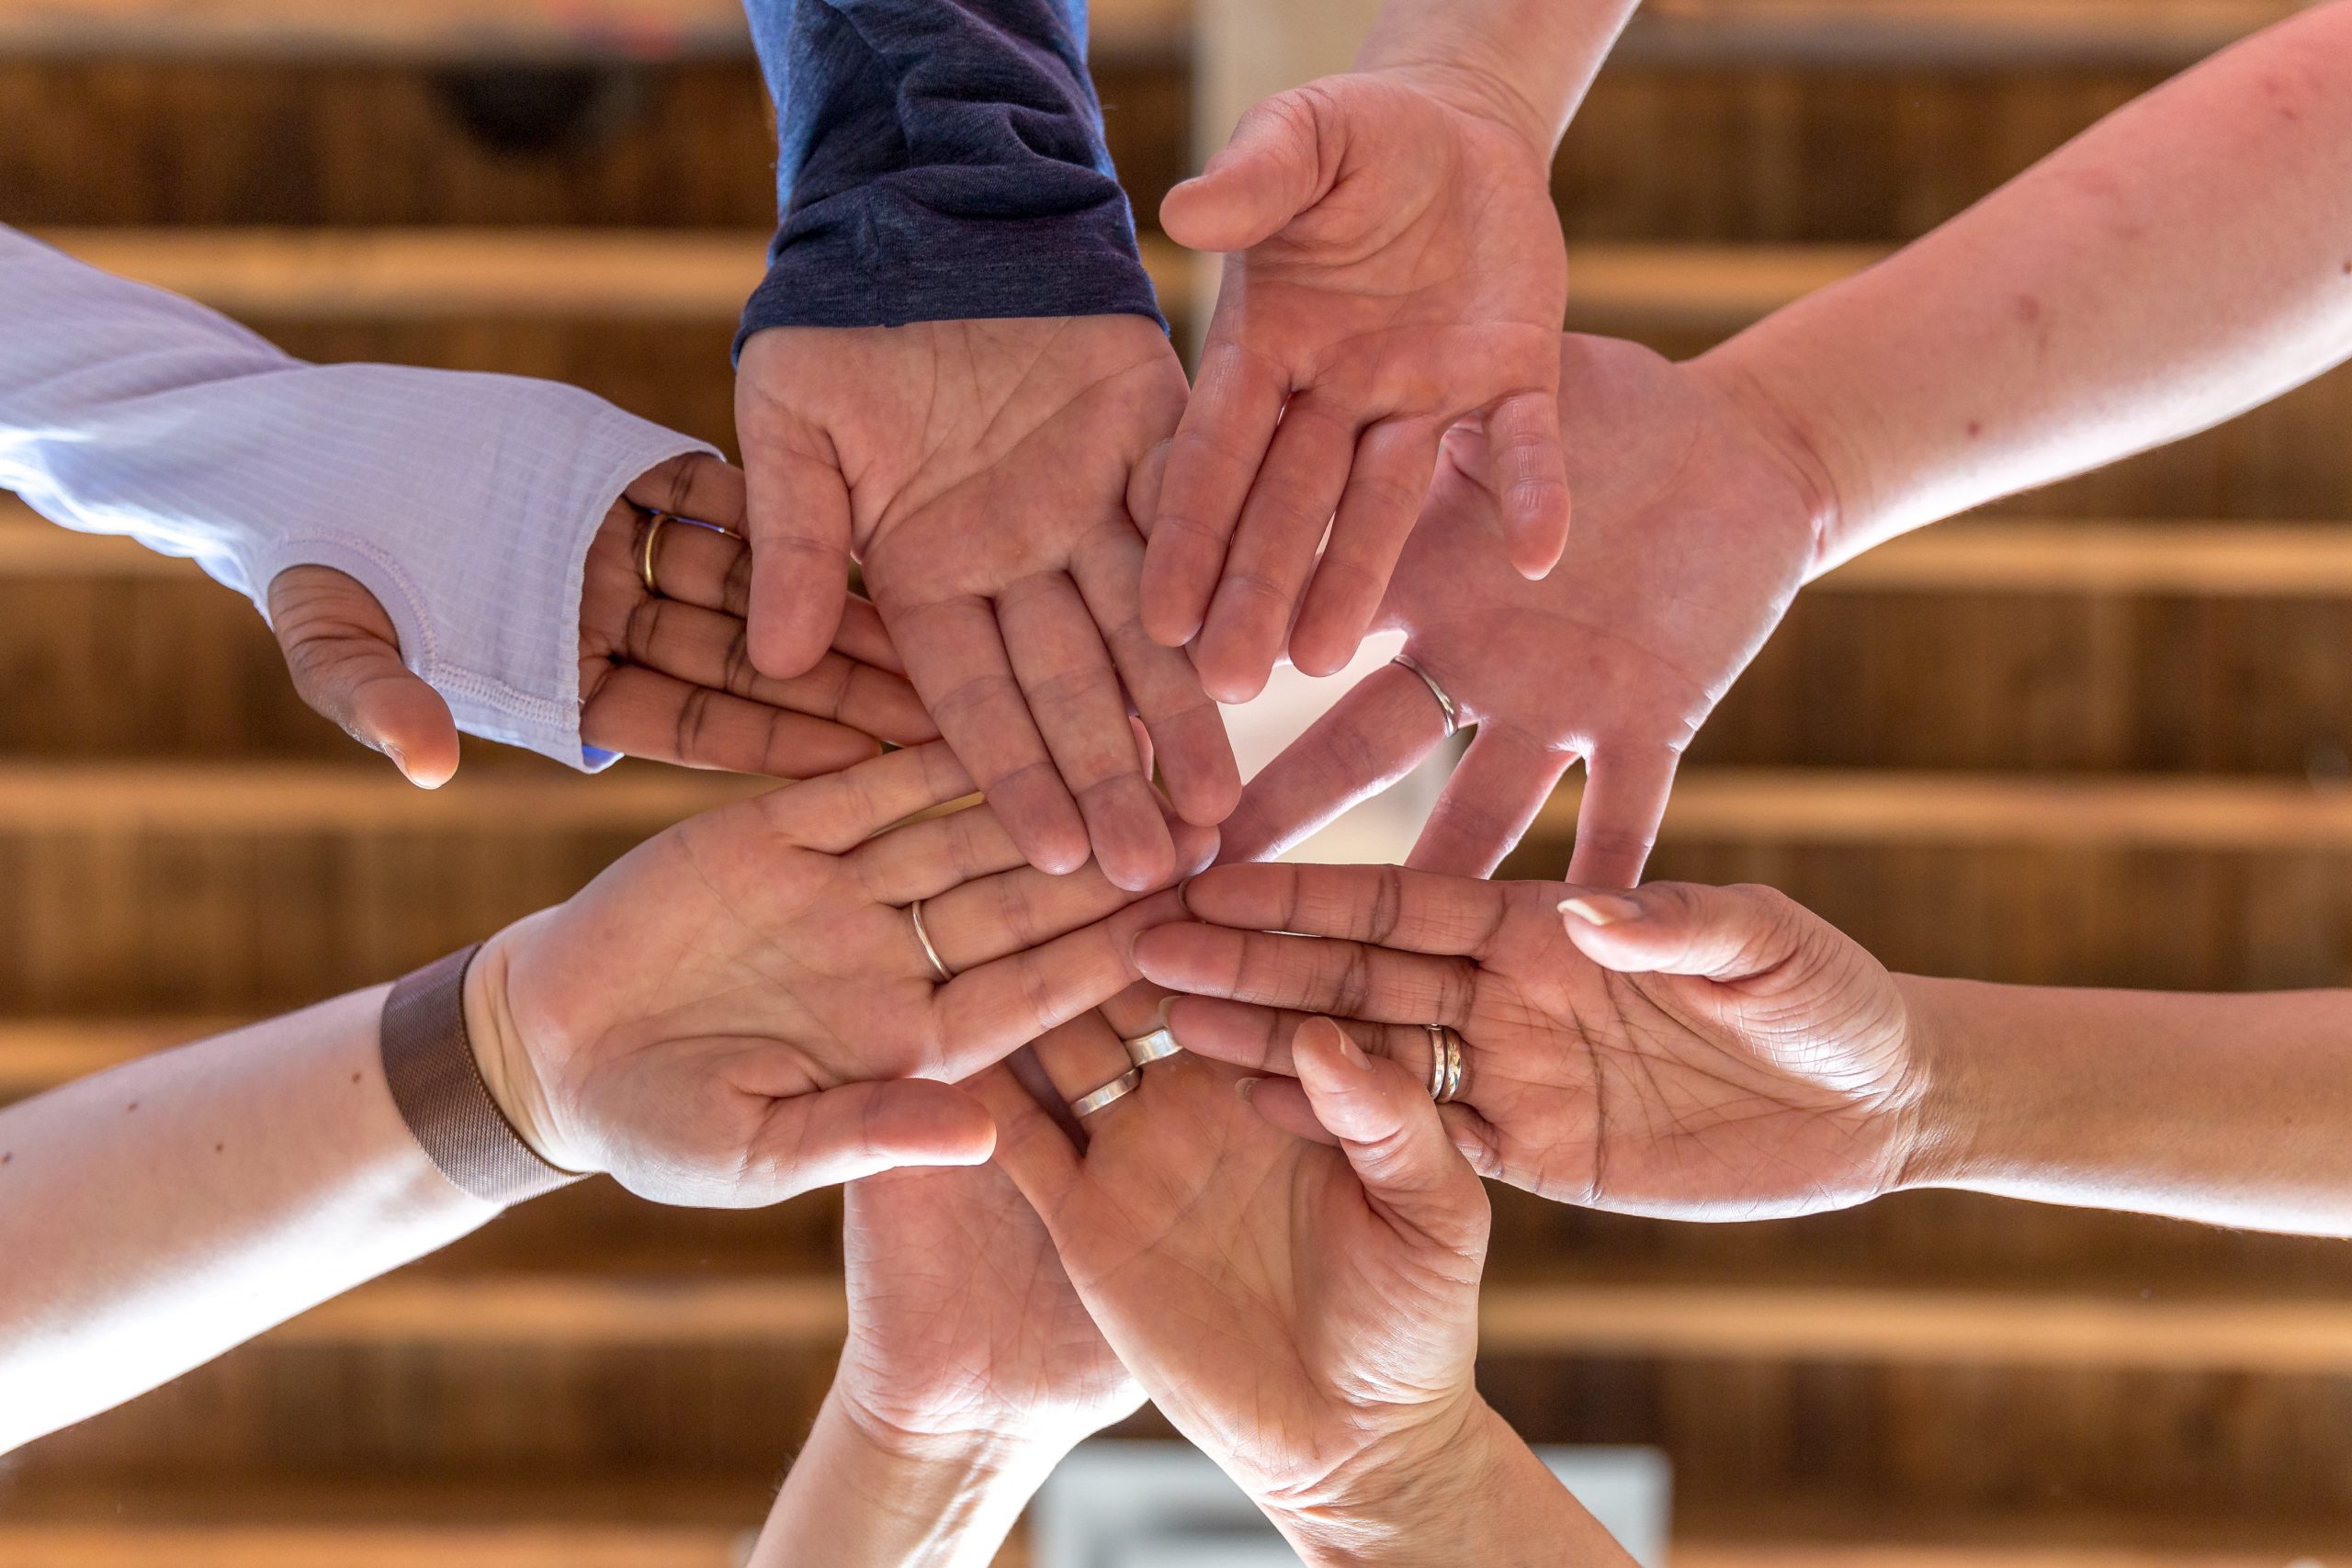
(1445, 1064)
(1118, 1088)
(1157, 1045)
(648, 538)
(1445, 708)
(922, 935)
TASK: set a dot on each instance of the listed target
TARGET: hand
(660, 676)
(1694, 528)
(1308, 1316)
(707, 1020)
(1688, 1051)
(980, 470)
(1397, 267)
(962, 1323)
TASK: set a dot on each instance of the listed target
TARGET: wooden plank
(38, 1054)
(1995, 34)
(1816, 1554)
(1686, 1321)
(2246, 560)
(277, 799)
(1630, 289)
(312, 1546)
(396, 275)
(471, 31)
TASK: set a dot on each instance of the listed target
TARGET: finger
(1624, 800)
(1030, 1146)
(713, 570)
(840, 1134)
(1499, 786)
(1387, 905)
(841, 810)
(798, 525)
(1015, 910)
(1531, 479)
(1212, 461)
(1371, 737)
(694, 486)
(1387, 486)
(1310, 973)
(960, 668)
(924, 859)
(1683, 928)
(862, 636)
(1271, 171)
(1259, 1037)
(1185, 728)
(643, 712)
(1285, 1104)
(995, 1007)
(708, 647)
(1080, 1057)
(1395, 1139)
(343, 655)
(1065, 672)
(1281, 526)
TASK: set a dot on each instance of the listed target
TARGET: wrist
(1420, 1495)
(513, 1057)
(1487, 95)
(1944, 1142)
(1772, 407)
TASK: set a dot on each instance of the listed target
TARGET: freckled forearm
(2187, 259)
(155, 1216)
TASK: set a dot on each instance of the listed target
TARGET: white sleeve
(464, 502)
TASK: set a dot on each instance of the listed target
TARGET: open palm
(1395, 266)
(1694, 532)
(1728, 1055)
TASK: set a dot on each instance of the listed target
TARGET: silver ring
(938, 964)
(1118, 1088)
(1444, 703)
(1445, 1064)
(1157, 1045)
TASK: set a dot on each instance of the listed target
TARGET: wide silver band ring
(1452, 714)
(922, 935)
(1157, 1045)
(1118, 1088)
(1445, 1064)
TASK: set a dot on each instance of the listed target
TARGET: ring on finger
(1111, 1093)
(1445, 704)
(649, 539)
(1445, 1064)
(1154, 1045)
(922, 935)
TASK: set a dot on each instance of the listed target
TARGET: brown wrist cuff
(435, 1082)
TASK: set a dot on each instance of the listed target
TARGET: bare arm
(1534, 60)
(157, 1215)
(2185, 260)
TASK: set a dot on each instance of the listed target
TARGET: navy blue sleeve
(939, 160)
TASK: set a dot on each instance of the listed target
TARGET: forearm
(1481, 1495)
(2228, 1110)
(1535, 59)
(939, 160)
(854, 1499)
(157, 1215)
(2188, 258)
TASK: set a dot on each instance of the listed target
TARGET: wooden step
(2003, 34)
(461, 30)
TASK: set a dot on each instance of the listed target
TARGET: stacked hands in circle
(1128, 1109)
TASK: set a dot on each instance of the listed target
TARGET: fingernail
(1160, 1018)
(399, 759)
(1244, 1088)
(1601, 908)
(1355, 1053)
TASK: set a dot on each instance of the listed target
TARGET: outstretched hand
(981, 471)
(1395, 265)
(662, 676)
(1695, 526)
(1682, 1051)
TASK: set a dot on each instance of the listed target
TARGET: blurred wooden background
(2103, 738)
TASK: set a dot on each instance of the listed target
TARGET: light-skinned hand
(1694, 527)
(740, 1009)
(662, 677)
(1395, 264)
(1683, 1051)
(981, 472)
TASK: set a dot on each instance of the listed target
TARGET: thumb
(819, 1140)
(345, 656)
(1393, 1137)
(1280, 162)
(1685, 928)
